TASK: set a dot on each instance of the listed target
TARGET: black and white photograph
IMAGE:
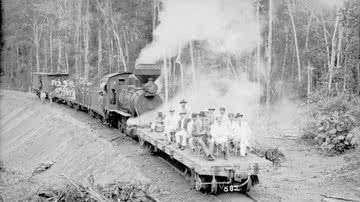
(180, 101)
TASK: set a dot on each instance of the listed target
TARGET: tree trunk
(110, 50)
(166, 83)
(326, 43)
(66, 60)
(86, 34)
(99, 53)
(154, 15)
(308, 61)
(51, 49)
(268, 72)
(284, 62)
(193, 72)
(120, 49)
(178, 58)
(59, 58)
(338, 63)
(345, 56)
(333, 53)
(258, 45)
(45, 55)
(296, 41)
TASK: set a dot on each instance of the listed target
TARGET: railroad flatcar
(237, 174)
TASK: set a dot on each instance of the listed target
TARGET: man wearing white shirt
(222, 114)
(181, 133)
(244, 134)
(184, 108)
(220, 133)
(171, 121)
(196, 136)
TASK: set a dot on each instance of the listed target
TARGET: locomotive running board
(120, 112)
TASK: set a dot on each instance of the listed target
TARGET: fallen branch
(94, 194)
(339, 198)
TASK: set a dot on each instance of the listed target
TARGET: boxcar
(42, 81)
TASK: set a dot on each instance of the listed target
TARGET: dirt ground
(34, 133)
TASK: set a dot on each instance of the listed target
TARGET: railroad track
(237, 198)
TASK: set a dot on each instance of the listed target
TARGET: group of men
(211, 132)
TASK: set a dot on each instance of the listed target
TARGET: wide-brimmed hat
(182, 113)
(238, 115)
(183, 101)
(171, 110)
(211, 109)
(222, 109)
(194, 115)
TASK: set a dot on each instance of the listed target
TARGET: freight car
(43, 81)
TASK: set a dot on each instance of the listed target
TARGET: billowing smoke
(226, 25)
(236, 95)
(332, 3)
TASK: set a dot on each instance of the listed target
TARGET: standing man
(185, 108)
(245, 136)
(223, 116)
(211, 115)
(181, 132)
(171, 121)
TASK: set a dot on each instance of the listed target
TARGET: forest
(308, 46)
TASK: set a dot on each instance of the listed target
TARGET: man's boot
(225, 155)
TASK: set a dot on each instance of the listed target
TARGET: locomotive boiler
(130, 94)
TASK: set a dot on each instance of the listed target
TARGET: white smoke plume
(332, 3)
(226, 25)
(237, 96)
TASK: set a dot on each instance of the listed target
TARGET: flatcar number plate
(231, 188)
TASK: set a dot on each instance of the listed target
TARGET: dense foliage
(335, 124)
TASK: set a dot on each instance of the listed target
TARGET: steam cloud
(226, 25)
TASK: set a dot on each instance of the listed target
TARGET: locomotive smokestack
(146, 71)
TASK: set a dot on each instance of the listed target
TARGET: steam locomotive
(129, 94)
(118, 97)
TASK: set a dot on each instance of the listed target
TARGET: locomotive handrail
(120, 112)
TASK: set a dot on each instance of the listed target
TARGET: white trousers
(180, 137)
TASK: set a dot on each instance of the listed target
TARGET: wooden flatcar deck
(199, 163)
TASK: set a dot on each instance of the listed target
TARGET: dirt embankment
(33, 133)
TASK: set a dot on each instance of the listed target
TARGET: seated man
(170, 126)
(219, 133)
(181, 133)
(232, 124)
(158, 125)
(196, 136)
